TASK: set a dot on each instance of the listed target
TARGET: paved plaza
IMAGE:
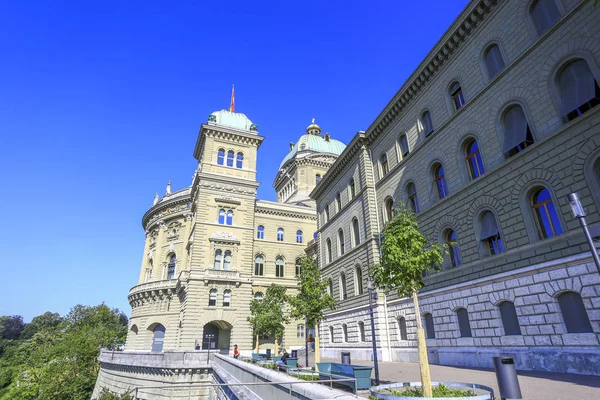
(534, 385)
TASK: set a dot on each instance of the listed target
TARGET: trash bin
(294, 353)
(346, 357)
(268, 353)
(506, 374)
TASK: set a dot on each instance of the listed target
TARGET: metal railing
(137, 391)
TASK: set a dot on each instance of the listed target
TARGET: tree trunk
(317, 346)
(276, 347)
(423, 361)
(257, 342)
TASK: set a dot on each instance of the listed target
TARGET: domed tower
(305, 164)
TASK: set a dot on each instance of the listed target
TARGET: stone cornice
(460, 30)
(169, 206)
(349, 152)
(310, 213)
(312, 159)
(224, 132)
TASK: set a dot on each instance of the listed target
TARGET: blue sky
(100, 106)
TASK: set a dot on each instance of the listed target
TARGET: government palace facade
(484, 141)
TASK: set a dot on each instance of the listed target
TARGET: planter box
(376, 391)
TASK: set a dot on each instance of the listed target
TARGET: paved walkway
(534, 385)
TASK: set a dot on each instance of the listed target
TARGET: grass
(438, 391)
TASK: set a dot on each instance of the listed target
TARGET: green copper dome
(312, 143)
(233, 119)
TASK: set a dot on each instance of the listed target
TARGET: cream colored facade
(210, 248)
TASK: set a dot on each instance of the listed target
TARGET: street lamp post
(374, 339)
(579, 213)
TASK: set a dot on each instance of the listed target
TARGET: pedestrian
(236, 352)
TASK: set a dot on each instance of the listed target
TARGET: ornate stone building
(485, 140)
(210, 248)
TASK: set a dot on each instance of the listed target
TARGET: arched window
(317, 179)
(226, 298)
(490, 234)
(402, 328)
(258, 296)
(546, 217)
(158, 338)
(426, 123)
(221, 157)
(440, 181)
(352, 188)
(517, 135)
(218, 259)
(463, 323)
(341, 247)
(260, 232)
(279, 266)
(299, 331)
(212, 298)
(358, 281)
(389, 209)
(330, 287)
(230, 158)
(222, 217)
(404, 150)
(544, 14)
(328, 251)
(473, 158)
(493, 60)
(298, 236)
(345, 332)
(229, 217)
(280, 234)
(383, 162)
(259, 266)
(413, 200)
(227, 260)
(338, 201)
(149, 271)
(453, 249)
(510, 321)
(239, 162)
(579, 90)
(361, 331)
(456, 94)
(327, 213)
(429, 328)
(343, 293)
(171, 267)
(573, 312)
(298, 267)
(355, 231)
(331, 337)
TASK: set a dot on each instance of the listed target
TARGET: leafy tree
(106, 394)
(11, 327)
(60, 362)
(312, 299)
(46, 320)
(405, 258)
(268, 316)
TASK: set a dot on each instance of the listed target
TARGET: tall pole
(373, 338)
(579, 213)
(306, 340)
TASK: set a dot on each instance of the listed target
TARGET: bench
(276, 358)
(290, 364)
(259, 357)
(361, 373)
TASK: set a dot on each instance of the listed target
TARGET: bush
(108, 395)
(438, 391)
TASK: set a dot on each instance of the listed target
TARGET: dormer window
(326, 137)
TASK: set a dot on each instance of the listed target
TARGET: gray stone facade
(532, 271)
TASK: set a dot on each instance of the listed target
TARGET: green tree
(46, 320)
(60, 362)
(11, 327)
(405, 257)
(312, 299)
(268, 316)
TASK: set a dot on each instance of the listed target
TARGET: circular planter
(376, 391)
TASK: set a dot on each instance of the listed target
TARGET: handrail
(202, 385)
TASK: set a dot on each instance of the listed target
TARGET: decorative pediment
(224, 237)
